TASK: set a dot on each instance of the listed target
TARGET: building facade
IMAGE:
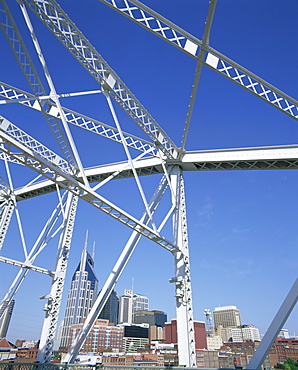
(129, 303)
(81, 296)
(110, 309)
(248, 332)
(135, 337)
(199, 329)
(153, 318)
(227, 317)
(140, 302)
(103, 336)
(125, 307)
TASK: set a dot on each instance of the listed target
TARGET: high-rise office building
(129, 303)
(81, 295)
(140, 302)
(125, 307)
(5, 316)
(110, 309)
(226, 317)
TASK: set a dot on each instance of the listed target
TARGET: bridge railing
(37, 366)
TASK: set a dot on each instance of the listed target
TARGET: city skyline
(241, 224)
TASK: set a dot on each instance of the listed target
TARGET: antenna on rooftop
(208, 316)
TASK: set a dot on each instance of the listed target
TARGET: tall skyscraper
(125, 307)
(110, 309)
(129, 303)
(5, 316)
(140, 302)
(81, 296)
(227, 317)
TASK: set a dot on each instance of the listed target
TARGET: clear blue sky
(242, 225)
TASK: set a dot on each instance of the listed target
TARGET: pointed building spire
(84, 254)
(93, 251)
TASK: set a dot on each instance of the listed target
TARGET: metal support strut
(185, 325)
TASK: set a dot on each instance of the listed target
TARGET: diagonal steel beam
(15, 40)
(13, 94)
(26, 265)
(191, 45)
(51, 14)
(200, 60)
(44, 161)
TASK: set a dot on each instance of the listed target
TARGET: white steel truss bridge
(45, 152)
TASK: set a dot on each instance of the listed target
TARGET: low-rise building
(199, 329)
(8, 351)
(103, 335)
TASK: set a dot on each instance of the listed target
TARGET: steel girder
(182, 280)
(52, 307)
(51, 14)
(14, 95)
(242, 159)
(191, 45)
(114, 275)
(14, 38)
(44, 161)
(61, 172)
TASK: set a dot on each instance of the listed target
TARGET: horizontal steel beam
(282, 157)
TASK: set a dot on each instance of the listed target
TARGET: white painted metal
(51, 14)
(39, 158)
(130, 161)
(200, 60)
(184, 310)
(7, 206)
(19, 147)
(114, 276)
(53, 93)
(12, 94)
(191, 45)
(274, 328)
(43, 239)
(18, 47)
(52, 306)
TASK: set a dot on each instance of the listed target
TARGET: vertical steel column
(7, 206)
(6, 211)
(54, 299)
(185, 325)
(117, 270)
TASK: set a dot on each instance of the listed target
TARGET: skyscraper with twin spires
(81, 296)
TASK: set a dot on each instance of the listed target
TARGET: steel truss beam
(160, 26)
(50, 13)
(44, 161)
(42, 241)
(114, 275)
(20, 51)
(26, 265)
(184, 309)
(200, 60)
(52, 307)
(284, 157)
(7, 206)
(62, 173)
(267, 158)
(14, 95)
(274, 328)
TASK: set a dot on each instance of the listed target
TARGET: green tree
(279, 366)
(291, 363)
